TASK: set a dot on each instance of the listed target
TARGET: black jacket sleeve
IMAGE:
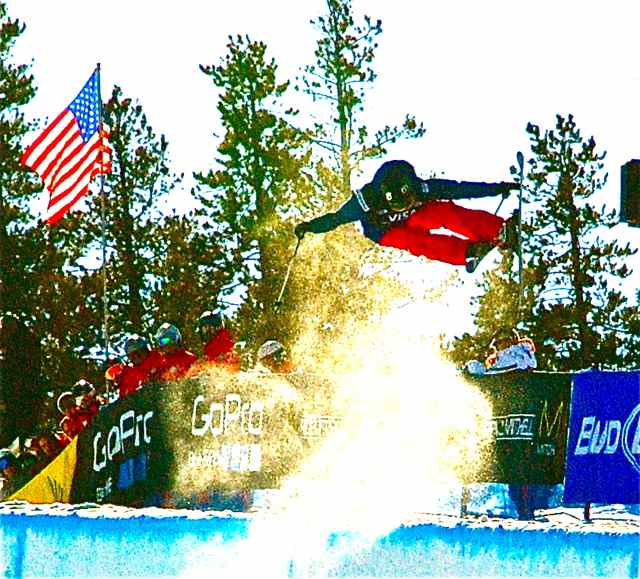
(447, 189)
(350, 211)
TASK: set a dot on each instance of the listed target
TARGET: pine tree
(578, 311)
(632, 333)
(17, 186)
(342, 286)
(189, 274)
(340, 76)
(35, 286)
(247, 200)
(569, 303)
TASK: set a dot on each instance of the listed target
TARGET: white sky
(474, 72)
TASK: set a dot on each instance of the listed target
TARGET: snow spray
(409, 425)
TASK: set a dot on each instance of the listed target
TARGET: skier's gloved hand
(301, 229)
(506, 187)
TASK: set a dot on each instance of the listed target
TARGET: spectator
(274, 356)
(73, 420)
(66, 404)
(48, 446)
(145, 367)
(29, 463)
(112, 376)
(87, 398)
(69, 429)
(177, 359)
(12, 478)
(102, 393)
(32, 446)
(61, 438)
(220, 347)
(507, 352)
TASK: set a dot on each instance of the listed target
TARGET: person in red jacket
(73, 420)
(87, 397)
(176, 359)
(145, 367)
(115, 367)
(219, 348)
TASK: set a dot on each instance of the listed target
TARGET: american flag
(71, 151)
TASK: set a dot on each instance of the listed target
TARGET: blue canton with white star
(86, 108)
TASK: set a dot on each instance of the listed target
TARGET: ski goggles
(166, 341)
(400, 200)
(279, 356)
(5, 462)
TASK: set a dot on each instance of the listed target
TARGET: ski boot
(476, 252)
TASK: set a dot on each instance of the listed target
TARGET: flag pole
(103, 220)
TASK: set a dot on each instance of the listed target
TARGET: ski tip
(472, 264)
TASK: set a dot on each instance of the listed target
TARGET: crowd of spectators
(168, 361)
(77, 408)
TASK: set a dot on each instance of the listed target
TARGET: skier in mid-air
(398, 209)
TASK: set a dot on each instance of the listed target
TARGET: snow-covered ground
(108, 541)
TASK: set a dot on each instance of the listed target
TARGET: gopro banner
(204, 441)
(603, 453)
(529, 426)
(118, 454)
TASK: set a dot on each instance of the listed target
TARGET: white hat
(269, 348)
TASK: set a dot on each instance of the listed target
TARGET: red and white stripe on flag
(71, 151)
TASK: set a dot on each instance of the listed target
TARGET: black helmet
(210, 319)
(395, 186)
(135, 343)
(81, 387)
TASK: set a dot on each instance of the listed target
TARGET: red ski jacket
(134, 376)
(177, 364)
(221, 350)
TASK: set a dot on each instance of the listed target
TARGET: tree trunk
(586, 353)
(4, 250)
(343, 117)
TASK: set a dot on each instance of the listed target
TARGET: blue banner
(603, 452)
